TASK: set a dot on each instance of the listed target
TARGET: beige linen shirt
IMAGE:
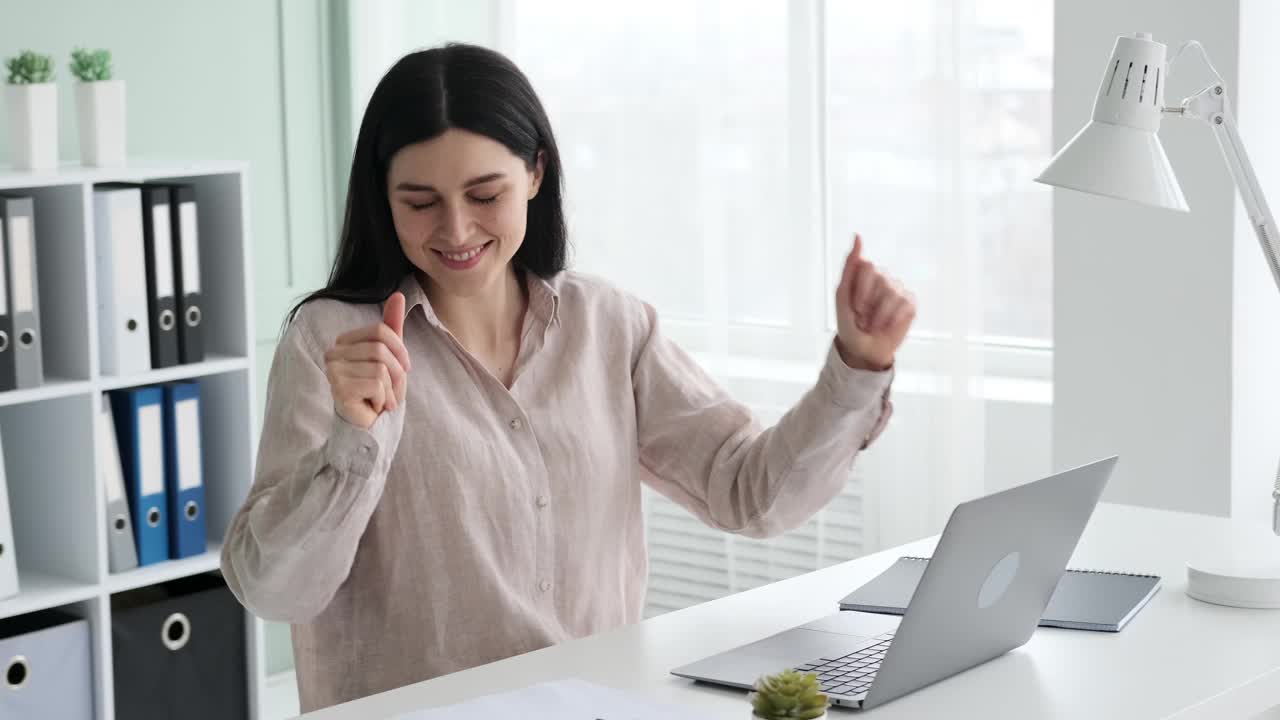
(478, 522)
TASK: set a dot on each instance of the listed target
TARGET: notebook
(1083, 600)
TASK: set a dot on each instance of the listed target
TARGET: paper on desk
(569, 699)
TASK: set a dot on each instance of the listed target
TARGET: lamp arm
(1210, 106)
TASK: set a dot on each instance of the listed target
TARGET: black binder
(178, 651)
(162, 305)
(186, 272)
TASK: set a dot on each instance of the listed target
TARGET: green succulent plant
(789, 695)
(29, 68)
(91, 65)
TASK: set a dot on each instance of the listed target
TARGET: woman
(457, 428)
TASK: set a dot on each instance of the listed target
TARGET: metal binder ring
(120, 523)
(176, 632)
(1, 549)
(27, 338)
(193, 316)
(166, 319)
(4, 341)
(18, 673)
(192, 510)
(153, 517)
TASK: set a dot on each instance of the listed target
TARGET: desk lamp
(1118, 155)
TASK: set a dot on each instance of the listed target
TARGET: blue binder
(184, 469)
(139, 417)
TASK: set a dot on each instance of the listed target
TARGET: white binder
(123, 330)
(8, 560)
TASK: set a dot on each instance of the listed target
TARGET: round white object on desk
(1247, 575)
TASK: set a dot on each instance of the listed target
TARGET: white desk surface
(1177, 658)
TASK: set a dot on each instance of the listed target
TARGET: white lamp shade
(1119, 162)
(1118, 154)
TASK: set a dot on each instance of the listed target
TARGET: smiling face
(460, 203)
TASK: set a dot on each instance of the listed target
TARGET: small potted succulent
(32, 101)
(789, 695)
(100, 109)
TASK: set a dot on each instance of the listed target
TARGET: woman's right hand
(368, 368)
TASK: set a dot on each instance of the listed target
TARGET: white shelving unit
(50, 435)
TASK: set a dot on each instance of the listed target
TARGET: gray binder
(8, 560)
(1083, 600)
(46, 667)
(121, 553)
(18, 215)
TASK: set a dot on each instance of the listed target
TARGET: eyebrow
(416, 187)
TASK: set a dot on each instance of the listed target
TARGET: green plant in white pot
(100, 109)
(788, 695)
(31, 99)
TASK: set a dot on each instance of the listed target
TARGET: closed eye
(477, 200)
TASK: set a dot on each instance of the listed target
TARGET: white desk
(1178, 657)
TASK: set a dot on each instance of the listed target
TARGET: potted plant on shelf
(32, 101)
(788, 695)
(100, 109)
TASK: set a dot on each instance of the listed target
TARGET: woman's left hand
(873, 313)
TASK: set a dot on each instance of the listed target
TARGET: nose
(454, 224)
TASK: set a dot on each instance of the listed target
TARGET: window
(939, 114)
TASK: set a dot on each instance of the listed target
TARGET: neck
(487, 321)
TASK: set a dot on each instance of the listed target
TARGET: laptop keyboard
(849, 674)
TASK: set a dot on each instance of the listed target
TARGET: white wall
(1255, 441)
(1143, 299)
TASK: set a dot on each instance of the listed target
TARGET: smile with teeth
(464, 256)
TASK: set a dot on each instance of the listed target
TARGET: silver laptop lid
(991, 577)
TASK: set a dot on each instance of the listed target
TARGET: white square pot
(33, 125)
(101, 115)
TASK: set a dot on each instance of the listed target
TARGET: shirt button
(542, 501)
(516, 424)
(544, 586)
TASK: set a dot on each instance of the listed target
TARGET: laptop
(995, 568)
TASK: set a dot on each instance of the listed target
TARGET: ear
(535, 175)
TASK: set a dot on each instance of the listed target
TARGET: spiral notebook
(1084, 599)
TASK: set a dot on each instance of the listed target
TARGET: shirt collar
(544, 300)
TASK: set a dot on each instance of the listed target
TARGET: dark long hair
(425, 93)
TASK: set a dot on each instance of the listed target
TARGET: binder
(123, 334)
(182, 646)
(157, 243)
(139, 421)
(184, 473)
(8, 371)
(1083, 599)
(186, 272)
(18, 216)
(8, 559)
(121, 553)
(46, 669)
